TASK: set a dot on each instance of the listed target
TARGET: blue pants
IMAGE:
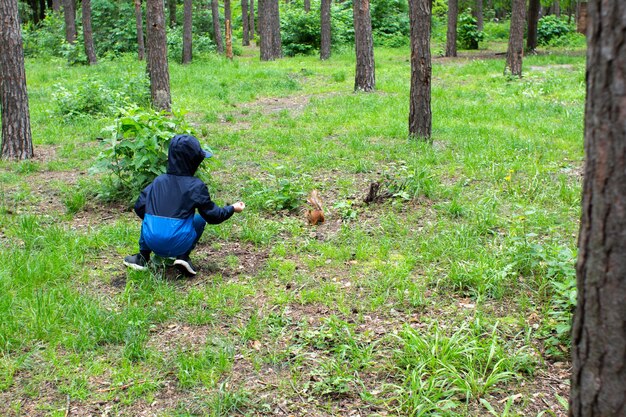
(198, 226)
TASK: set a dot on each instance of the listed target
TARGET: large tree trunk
(598, 387)
(515, 51)
(88, 33)
(215, 12)
(69, 14)
(172, 11)
(364, 79)
(325, 29)
(251, 19)
(420, 115)
(478, 14)
(187, 34)
(533, 19)
(244, 22)
(453, 15)
(16, 135)
(269, 30)
(157, 56)
(141, 48)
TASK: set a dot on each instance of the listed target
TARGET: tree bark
(245, 23)
(364, 79)
(453, 16)
(325, 34)
(478, 13)
(420, 114)
(228, 16)
(533, 20)
(141, 48)
(229, 40)
(69, 14)
(157, 56)
(269, 30)
(598, 387)
(88, 33)
(56, 6)
(251, 19)
(17, 141)
(171, 4)
(217, 31)
(515, 51)
(187, 31)
(307, 6)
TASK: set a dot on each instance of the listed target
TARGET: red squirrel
(316, 215)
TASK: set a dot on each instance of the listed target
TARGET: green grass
(447, 299)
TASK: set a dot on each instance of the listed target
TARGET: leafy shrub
(468, 32)
(135, 150)
(495, 31)
(550, 28)
(113, 31)
(390, 22)
(300, 32)
(200, 44)
(45, 39)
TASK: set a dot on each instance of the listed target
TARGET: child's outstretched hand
(239, 206)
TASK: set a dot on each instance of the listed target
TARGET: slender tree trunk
(251, 19)
(325, 29)
(215, 12)
(141, 48)
(244, 22)
(172, 11)
(227, 17)
(229, 40)
(581, 22)
(88, 33)
(56, 6)
(598, 387)
(365, 79)
(533, 19)
(480, 23)
(17, 141)
(187, 31)
(269, 30)
(420, 115)
(453, 15)
(557, 8)
(307, 6)
(157, 56)
(515, 51)
(69, 14)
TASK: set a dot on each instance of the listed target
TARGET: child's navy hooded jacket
(168, 205)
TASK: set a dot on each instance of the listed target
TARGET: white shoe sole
(185, 265)
(135, 266)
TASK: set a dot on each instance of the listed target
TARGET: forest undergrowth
(448, 295)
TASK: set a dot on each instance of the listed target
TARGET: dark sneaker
(183, 264)
(136, 262)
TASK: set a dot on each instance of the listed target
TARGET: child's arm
(140, 205)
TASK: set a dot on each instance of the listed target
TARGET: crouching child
(175, 208)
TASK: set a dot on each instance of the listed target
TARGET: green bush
(550, 29)
(300, 32)
(135, 151)
(45, 39)
(496, 31)
(468, 33)
(390, 23)
(201, 44)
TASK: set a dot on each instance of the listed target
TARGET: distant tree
(215, 11)
(478, 14)
(307, 6)
(228, 16)
(88, 33)
(420, 114)
(157, 56)
(533, 20)
(69, 15)
(56, 6)
(17, 141)
(325, 33)
(269, 30)
(453, 16)
(245, 20)
(251, 19)
(364, 79)
(172, 12)
(515, 51)
(141, 48)
(187, 31)
(598, 385)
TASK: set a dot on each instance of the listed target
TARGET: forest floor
(448, 297)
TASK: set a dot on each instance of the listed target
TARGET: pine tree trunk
(364, 79)
(217, 31)
(251, 19)
(420, 114)
(69, 14)
(56, 6)
(244, 22)
(598, 386)
(480, 22)
(557, 8)
(172, 11)
(533, 19)
(157, 56)
(227, 17)
(229, 40)
(515, 51)
(453, 15)
(88, 33)
(307, 6)
(325, 34)
(269, 30)
(141, 48)
(16, 135)
(187, 31)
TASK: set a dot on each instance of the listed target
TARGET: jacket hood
(185, 155)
